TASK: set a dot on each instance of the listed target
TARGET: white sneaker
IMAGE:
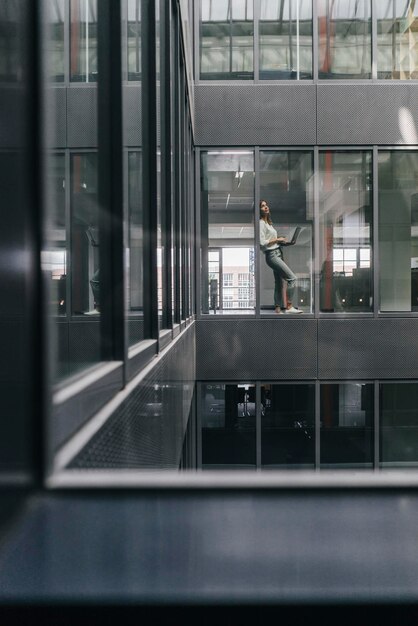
(293, 310)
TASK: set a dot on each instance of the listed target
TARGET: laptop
(294, 237)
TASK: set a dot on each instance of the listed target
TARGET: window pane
(398, 230)
(345, 206)
(399, 424)
(83, 41)
(344, 33)
(287, 425)
(134, 39)
(228, 425)
(397, 39)
(54, 48)
(136, 235)
(226, 39)
(286, 185)
(347, 425)
(55, 258)
(286, 39)
(227, 222)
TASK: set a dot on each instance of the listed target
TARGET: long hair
(266, 218)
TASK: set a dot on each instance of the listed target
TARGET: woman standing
(284, 278)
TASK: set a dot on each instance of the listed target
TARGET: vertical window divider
(256, 40)
(375, 238)
(258, 424)
(149, 168)
(199, 426)
(257, 251)
(69, 265)
(317, 426)
(198, 246)
(376, 408)
(374, 40)
(110, 180)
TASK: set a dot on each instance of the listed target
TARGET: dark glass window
(288, 425)
(134, 39)
(228, 425)
(399, 424)
(136, 235)
(54, 42)
(347, 425)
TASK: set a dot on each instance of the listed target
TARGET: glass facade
(83, 41)
(55, 41)
(347, 425)
(397, 40)
(399, 424)
(134, 39)
(346, 219)
(226, 39)
(398, 230)
(227, 229)
(285, 40)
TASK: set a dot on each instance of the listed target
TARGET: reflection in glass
(227, 231)
(54, 48)
(287, 425)
(286, 184)
(399, 424)
(136, 235)
(397, 39)
(344, 32)
(347, 425)
(226, 39)
(228, 425)
(55, 257)
(10, 33)
(85, 286)
(345, 207)
(398, 230)
(83, 41)
(285, 39)
(134, 40)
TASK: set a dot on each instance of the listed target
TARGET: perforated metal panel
(368, 114)
(82, 117)
(132, 110)
(84, 342)
(56, 117)
(384, 348)
(231, 114)
(273, 349)
(147, 430)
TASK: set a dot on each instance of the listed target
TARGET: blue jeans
(283, 276)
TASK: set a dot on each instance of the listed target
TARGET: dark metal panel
(132, 112)
(84, 342)
(272, 349)
(148, 428)
(367, 114)
(255, 114)
(382, 348)
(56, 117)
(82, 117)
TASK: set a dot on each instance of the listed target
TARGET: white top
(267, 233)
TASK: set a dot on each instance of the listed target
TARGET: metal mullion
(375, 237)
(110, 181)
(68, 230)
(149, 167)
(177, 312)
(257, 252)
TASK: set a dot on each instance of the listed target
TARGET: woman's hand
(281, 239)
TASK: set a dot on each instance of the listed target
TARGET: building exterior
(139, 325)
